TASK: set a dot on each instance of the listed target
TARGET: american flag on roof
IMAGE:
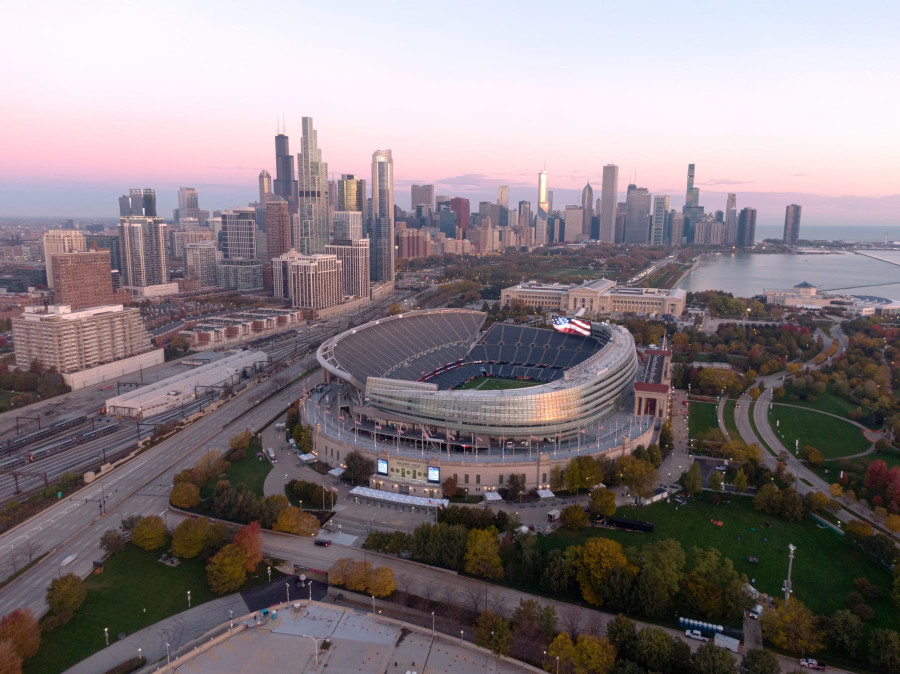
(574, 326)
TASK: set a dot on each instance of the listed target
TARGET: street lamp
(269, 570)
(287, 590)
(432, 624)
(167, 653)
(189, 598)
(230, 620)
(106, 635)
(460, 636)
(373, 605)
(140, 657)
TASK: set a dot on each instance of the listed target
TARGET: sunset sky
(799, 98)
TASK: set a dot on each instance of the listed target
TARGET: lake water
(748, 274)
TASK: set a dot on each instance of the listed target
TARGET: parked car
(722, 468)
(813, 664)
(322, 542)
(695, 634)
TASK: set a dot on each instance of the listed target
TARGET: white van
(756, 612)
(271, 453)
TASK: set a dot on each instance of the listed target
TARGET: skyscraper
(142, 241)
(265, 186)
(312, 186)
(188, 204)
(382, 216)
(587, 205)
(348, 225)
(692, 210)
(460, 206)
(503, 196)
(676, 227)
(140, 202)
(608, 201)
(543, 210)
(201, 260)
(278, 227)
(313, 281)
(421, 194)
(351, 194)
(660, 212)
(285, 186)
(637, 215)
(731, 218)
(791, 224)
(746, 235)
(58, 241)
(355, 262)
(524, 216)
(239, 234)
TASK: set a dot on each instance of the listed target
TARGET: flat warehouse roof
(402, 499)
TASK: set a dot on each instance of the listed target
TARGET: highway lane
(141, 486)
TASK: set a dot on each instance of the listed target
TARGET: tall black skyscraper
(792, 224)
(746, 234)
(692, 210)
(285, 186)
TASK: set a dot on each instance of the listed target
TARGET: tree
(295, 521)
(637, 475)
(22, 631)
(589, 655)
(190, 537)
(712, 587)
(112, 541)
(449, 487)
(483, 553)
(358, 467)
(592, 564)
(760, 661)
(653, 649)
(884, 650)
(515, 486)
(573, 517)
(815, 501)
(768, 499)
(250, 543)
(492, 631)
(792, 505)
(380, 581)
(740, 481)
(603, 502)
(10, 661)
(622, 634)
(715, 481)
(660, 576)
(240, 441)
(150, 533)
(185, 495)
(693, 480)
(844, 632)
(792, 627)
(892, 522)
(558, 572)
(226, 571)
(710, 659)
(65, 595)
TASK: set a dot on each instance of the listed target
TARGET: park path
(720, 417)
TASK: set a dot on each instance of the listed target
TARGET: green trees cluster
(358, 468)
(312, 494)
(239, 504)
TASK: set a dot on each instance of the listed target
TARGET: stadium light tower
(787, 584)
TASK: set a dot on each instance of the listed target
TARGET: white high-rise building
(382, 215)
(348, 225)
(608, 203)
(660, 211)
(58, 241)
(310, 281)
(142, 242)
(731, 218)
(421, 194)
(574, 219)
(587, 205)
(312, 185)
(200, 260)
(354, 258)
(503, 196)
(543, 211)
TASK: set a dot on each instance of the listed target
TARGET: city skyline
(66, 161)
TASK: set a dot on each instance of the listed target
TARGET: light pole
(557, 664)
(287, 590)
(432, 624)
(787, 583)
(460, 636)
(168, 661)
(140, 657)
(269, 571)
(230, 620)
(373, 605)
(310, 592)
(189, 598)
(106, 635)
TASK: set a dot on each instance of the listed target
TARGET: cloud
(713, 182)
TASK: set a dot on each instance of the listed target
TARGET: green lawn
(824, 326)
(730, 423)
(831, 436)
(826, 402)
(701, 418)
(251, 471)
(497, 383)
(5, 397)
(824, 564)
(134, 591)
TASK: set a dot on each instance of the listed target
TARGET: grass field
(730, 423)
(826, 402)
(831, 436)
(824, 564)
(134, 591)
(701, 418)
(251, 471)
(497, 384)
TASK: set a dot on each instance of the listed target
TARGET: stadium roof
(402, 499)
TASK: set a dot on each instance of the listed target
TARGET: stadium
(431, 391)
